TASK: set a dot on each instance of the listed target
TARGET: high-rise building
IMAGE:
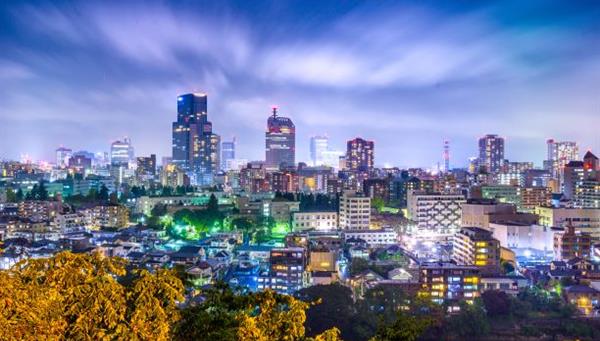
(62, 157)
(359, 155)
(446, 156)
(318, 145)
(121, 152)
(491, 153)
(280, 142)
(560, 154)
(146, 167)
(355, 211)
(227, 153)
(194, 148)
(215, 152)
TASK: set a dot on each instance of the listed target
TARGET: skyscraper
(560, 154)
(491, 153)
(227, 152)
(62, 157)
(280, 141)
(215, 152)
(360, 155)
(318, 145)
(446, 156)
(193, 141)
(121, 153)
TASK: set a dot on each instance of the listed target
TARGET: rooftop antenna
(274, 111)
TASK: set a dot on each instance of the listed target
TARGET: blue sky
(406, 74)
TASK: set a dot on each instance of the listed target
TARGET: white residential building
(355, 211)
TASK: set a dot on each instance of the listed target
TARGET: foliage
(378, 204)
(334, 308)
(78, 296)
(278, 317)
(410, 323)
(38, 192)
(223, 315)
(471, 321)
(496, 303)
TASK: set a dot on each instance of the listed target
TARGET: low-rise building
(570, 244)
(373, 237)
(447, 282)
(320, 221)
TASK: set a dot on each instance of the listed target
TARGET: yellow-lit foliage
(278, 317)
(78, 296)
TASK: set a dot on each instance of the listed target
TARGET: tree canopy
(79, 296)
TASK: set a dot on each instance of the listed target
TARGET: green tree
(471, 321)
(11, 196)
(19, 195)
(103, 193)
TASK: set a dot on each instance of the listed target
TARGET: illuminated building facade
(436, 215)
(360, 155)
(146, 167)
(560, 154)
(280, 142)
(318, 145)
(320, 221)
(354, 211)
(227, 153)
(571, 244)
(193, 142)
(62, 157)
(476, 246)
(287, 270)
(447, 282)
(491, 153)
(121, 153)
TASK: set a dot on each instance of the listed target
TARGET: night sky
(407, 75)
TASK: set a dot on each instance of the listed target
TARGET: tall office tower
(146, 168)
(559, 154)
(280, 142)
(215, 152)
(318, 145)
(121, 153)
(62, 157)
(227, 153)
(491, 153)
(446, 156)
(193, 140)
(359, 155)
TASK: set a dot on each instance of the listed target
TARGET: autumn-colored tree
(78, 296)
(278, 317)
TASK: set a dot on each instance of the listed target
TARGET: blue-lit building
(193, 139)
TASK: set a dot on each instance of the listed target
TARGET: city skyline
(90, 74)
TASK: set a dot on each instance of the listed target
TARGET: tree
(79, 296)
(411, 322)
(471, 321)
(213, 204)
(276, 317)
(378, 204)
(331, 306)
(496, 303)
(11, 196)
(19, 195)
(103, 193)
(358, 265)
